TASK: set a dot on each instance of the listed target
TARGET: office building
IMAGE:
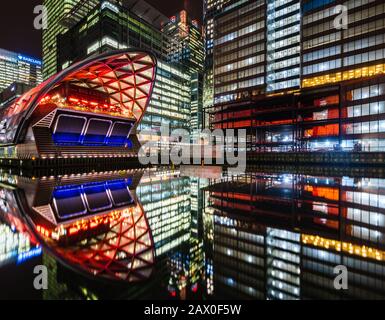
(239, 52)
(322, 93)
(186, 47)
(110, 26)
(16, 67)
(211, 8)
(60, 16)
(353, 58)
(186, 44)
(283, 26)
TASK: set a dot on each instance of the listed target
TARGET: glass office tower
(211, 8)
(283, 45)
(110, 26)
(56, 9)
(186, 48)
(16, 67)
(324, 81)
(239, 52)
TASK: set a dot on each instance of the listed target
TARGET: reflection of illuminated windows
(238, 258)
(283, 256)
(15, 246)
(167, 206)
(363, 251)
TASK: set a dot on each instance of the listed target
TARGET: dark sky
(18, 34)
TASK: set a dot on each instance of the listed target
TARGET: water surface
(158, 234)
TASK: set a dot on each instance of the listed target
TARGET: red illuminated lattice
(127, 77)
(124, 252)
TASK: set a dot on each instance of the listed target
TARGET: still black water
(165, 234)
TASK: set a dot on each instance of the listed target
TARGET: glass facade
(15, 67)
(261, 236)
(211, 8)
(56, 10)
(107, 28)
(165, 199)
(186, 48)
(283, 45)
(239, 53)
(361, 43)
(323, 86)
(278, 262)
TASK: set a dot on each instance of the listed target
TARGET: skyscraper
(186, 44)
(239, 51)
(210, 9)
(332, 54)
(305, 81)
(186, 48)
(283, 45)
(110, 26)
(15, 67)
(58, 22)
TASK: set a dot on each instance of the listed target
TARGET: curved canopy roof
(126, 76)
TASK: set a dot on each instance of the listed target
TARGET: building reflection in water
(173, 205)
(281, 236)
(157, 234)
(91, 222)
(105, 226)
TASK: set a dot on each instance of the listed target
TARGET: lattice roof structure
(127, 77)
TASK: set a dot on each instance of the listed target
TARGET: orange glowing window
(328, 130)
(323, 192)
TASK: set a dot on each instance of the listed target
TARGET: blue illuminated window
(119, 134)
(120, 193)
(76, 200)
(96, 197)
(314, 4)
(97, 131)
(68, 130)
(68, 202)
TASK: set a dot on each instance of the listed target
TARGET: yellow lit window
(343, 76)
(347, 247)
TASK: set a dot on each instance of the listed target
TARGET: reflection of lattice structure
(123, 252)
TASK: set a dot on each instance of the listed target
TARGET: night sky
(16, 22)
